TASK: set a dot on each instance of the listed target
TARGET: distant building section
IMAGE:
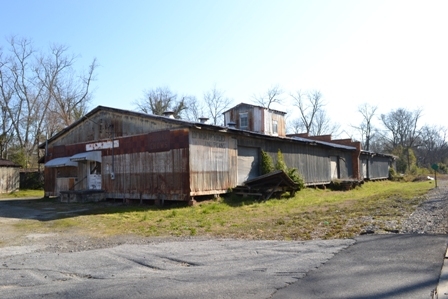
(256, 119)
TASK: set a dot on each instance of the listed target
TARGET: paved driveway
(185, 269)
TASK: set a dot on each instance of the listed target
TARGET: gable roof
(116, 110)
(187, 123)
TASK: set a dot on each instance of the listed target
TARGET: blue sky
(392, 54)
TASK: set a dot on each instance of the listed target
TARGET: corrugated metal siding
(248, 163)
(146, 166)
(312, 161)
(149, 166)
(378, 168)
(345, 165)
(212, 162)
(143, 175)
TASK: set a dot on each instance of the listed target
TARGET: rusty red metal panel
(158, 141)
(179, 139)
(148, 175)
(58, 151)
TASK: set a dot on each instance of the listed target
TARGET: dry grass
(312, 213)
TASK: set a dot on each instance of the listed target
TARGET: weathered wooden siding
(213, 158)
(254, 118)
(9, 179)
(108, 124)
(59, 179)
(259, 119)
(268, 118)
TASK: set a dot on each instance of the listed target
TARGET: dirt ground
(13, 212)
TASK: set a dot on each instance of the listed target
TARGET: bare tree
(402, 126)
(216, 103)
(296, 125)
(433, 145)
(195, 110)
(6, 95)
(322, 125)
(272, 95)
(31, 85)
(366, 128)
(160, 100)
(70, 93)
(309, 105)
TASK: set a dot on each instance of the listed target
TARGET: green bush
(280, 164)
(267, 165)
(294, 175)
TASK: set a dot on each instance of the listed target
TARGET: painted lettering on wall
(209, 139)
(101, 145)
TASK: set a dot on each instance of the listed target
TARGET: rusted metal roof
(186, 123)
(119, 111)
(330, 144)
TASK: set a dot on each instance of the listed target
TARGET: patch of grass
(312, 213)
(23, 194)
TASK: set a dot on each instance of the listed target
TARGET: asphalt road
(377, 267)
(185, 269)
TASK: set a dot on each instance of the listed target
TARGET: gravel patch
(431, 216)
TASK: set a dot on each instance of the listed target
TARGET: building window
(244, 122)
(274, 127)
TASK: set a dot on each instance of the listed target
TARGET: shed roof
(331, 144)
(372, 154)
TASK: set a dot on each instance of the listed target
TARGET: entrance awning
(61, 162)
(87, 156)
